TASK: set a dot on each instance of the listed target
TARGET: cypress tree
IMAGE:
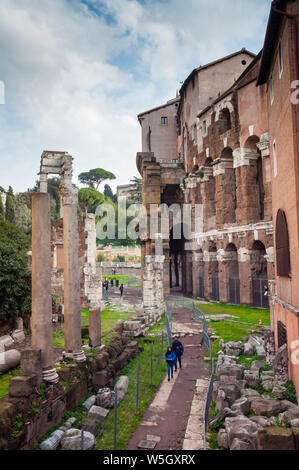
(1, 210)
(10, 206)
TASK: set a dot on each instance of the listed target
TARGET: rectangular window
(280, 60)
(271, 90)
(164, 121)
(274, 159)
(204, 127)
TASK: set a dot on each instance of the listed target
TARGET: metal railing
(199, 315)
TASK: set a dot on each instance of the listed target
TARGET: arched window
(224, 121)
(283, 265)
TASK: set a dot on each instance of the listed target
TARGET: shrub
(15, 278)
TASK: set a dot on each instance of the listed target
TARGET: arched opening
(226, 190)
(283, 265)
(259, 275)
(224, 121)
(233, 274)
(213, 271)
(258, 178)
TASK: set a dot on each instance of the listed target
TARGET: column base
(50, 376)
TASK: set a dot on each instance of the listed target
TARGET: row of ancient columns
(41, 320)
(229, 190)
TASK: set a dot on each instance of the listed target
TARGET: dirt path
(166, 419)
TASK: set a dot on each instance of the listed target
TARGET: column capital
(264, 145)
(69, 195)
(220, 165)
(243, 156)
(204, 173)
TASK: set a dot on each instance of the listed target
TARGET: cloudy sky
(77, 73)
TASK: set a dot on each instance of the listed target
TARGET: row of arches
(224, 280)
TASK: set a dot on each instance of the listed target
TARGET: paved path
(174, 418)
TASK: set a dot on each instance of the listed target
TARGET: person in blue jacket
(178, 349)
(170, 358)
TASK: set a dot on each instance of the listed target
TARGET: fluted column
(41, 319)
(72, 315)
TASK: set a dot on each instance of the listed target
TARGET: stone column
(225, 191)
(94, 326)
(245, 164)
(41, 319)
(245, 276)
(223, 276)
(72, 315)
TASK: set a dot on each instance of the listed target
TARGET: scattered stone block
(248, 349)
(122, 387)
(53, 441)
(289, 415)
(89, 402)
(9, 360)
(257, 365)
(31, 363)
(98, 411)
(279, 391)
(241, 428)
(22, 386)
(18, 336)
(105, 398)
(275, 438)
(242, 405)
(242, 444)
(222, 439)
(5, 341)
(260, 351)
(262, 421)
(72, 440)
(252, 378)
(265, 406)
(286, 405)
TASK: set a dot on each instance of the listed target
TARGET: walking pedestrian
(121, 288)
(170, 358)
(178, 349)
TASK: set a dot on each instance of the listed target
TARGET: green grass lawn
(230, 331)
(110, 317)
(127, 419)
(4, 380)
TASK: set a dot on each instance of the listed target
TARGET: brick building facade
(224, 166)
(279, 69)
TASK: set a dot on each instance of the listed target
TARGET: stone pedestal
(41, 319)
(94, 327)
(72, 316)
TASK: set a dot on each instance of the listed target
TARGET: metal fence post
(137, 387)
(115, 416)
(162, 347)
(82, 438)
(152, 363)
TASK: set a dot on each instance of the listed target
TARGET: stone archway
(259, 276)
(233, 279)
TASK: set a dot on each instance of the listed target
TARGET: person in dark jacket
(121, 290)
(170, 360)
(178, 349)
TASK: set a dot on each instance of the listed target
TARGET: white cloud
(75, 80)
